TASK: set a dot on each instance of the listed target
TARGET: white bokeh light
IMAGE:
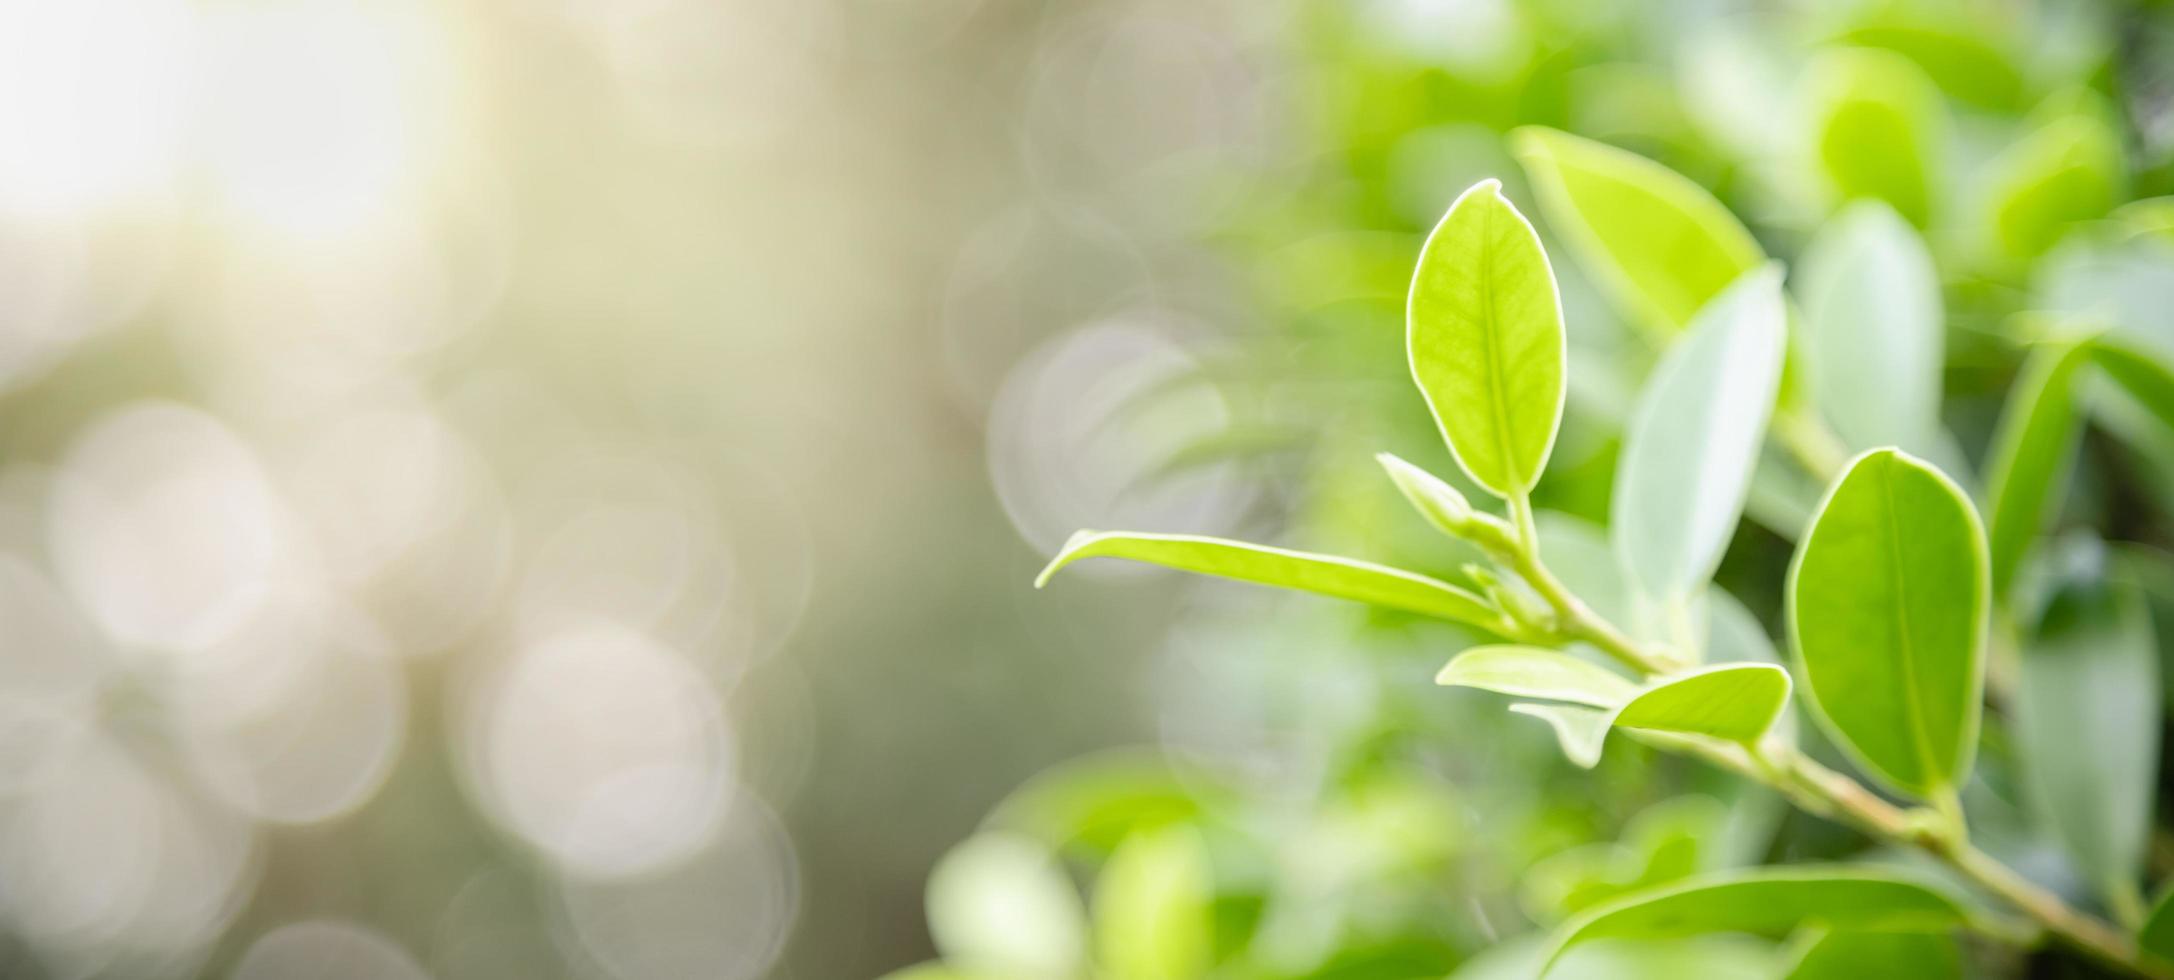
(604, 750)
(91, 98)
(325, 949)
(165, 526)
(723, 915)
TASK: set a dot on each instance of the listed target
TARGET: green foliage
(1485, 337)
(2089, 690)
(1771, 902)
(1693, 438)
(1887, 607)
(1872, 335)
(1848, 955)
(1343, 578)
(1879, 129)
(1152, 908)
(1729, 702)
(1663, 245)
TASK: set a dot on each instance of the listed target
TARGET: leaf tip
(1065, 555)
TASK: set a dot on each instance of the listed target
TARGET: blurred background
(551, 488)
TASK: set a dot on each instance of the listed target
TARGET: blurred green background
(551, 488)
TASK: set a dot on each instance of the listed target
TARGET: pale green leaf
(2089, 690)
(1872, 334)
(1878, 127)
(1533, 672)
(1694, 438)
(1152, 908)
(1887, 607)
(1434, 499)
(2068, 170)
(1484, 330)
(998, 904)
(1771, 902)
(1329, 575)
(1658, 242)
(1731, 702)
(2033, 449)
(1859, 955)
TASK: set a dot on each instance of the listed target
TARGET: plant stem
(1824, 792)
(1574, 619)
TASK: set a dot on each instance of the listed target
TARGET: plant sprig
(1889, 595)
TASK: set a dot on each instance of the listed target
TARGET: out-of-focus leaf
(1731, 702)
(1887, 606)
(1770, 902)
(1694, 437)
(1878, 127)
(1858, 955)
(931, 971)
(2143, 376)
(1669, 840)
(1152, 908)
(2032, 450)
(2126, 285)
(1872, 336)
(1965, 66)
(2066, 171)
(1329, 575)
(1434, 499)
(2086, 724)
(999, 905)
(1533, 672)
(1661, 245)
(1484, 330)
(1097, 801)
(2157, 934)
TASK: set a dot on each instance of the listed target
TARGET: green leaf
(1533, 672)
(1857, 955)
(2139, 373)
(1694, 437)
(1731, 702)
(2066, 171)
(998, 904)
(1329, 575)
(1152, 908)
(2089, 690)
(1878, 127)
(1655, 240)
(1872, 333)
(2033, 449)
(1434, 499)
(2157, 935)
(1484, 329)
(1887, 608)
(1770, 902)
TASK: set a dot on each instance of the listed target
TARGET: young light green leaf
(1872, 336)
(2090, 691)
(1152, 912)
(1887, 609)
(1771, 902)
(1731, 702)
(1533, 672)
(1694, 437)
(2066, 171)
(1658, 242)
(1843, 955)
(1329, 575)
(1434, 499)
(2033, 448)
(1878, 129)
(999, 905)
(1484, 330)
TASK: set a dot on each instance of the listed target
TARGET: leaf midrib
(1490, 329)
(1920, 739)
